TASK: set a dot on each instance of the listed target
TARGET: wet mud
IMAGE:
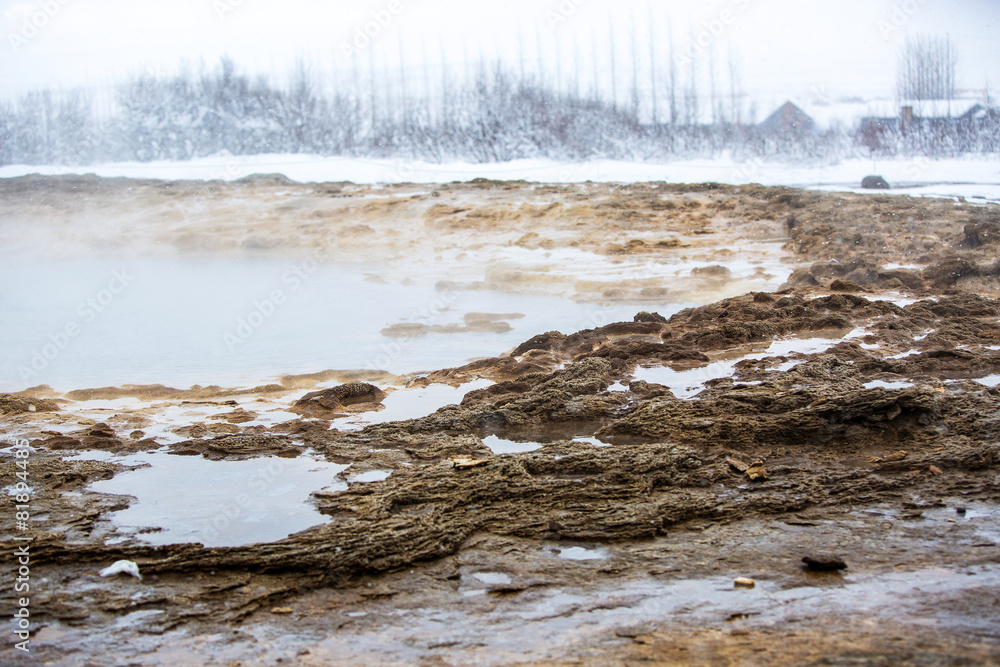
(834, 440)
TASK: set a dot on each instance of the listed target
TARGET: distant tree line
(496, 116)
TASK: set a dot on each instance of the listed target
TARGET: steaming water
(237, 320)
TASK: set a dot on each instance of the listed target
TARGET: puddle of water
(501, 446)
(989, 380)
(884, 384)
(493, 578)
(591, 441)
(371, 476)
(218, 503)
(580, 553)
(528, 628)
(688, 382)
(411, 404)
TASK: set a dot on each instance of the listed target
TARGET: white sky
(783, 48)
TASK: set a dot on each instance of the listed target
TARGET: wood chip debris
(464, 461)
(897, 455)
(753, 470)
(281, 610)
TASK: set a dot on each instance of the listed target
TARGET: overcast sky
(780, 48)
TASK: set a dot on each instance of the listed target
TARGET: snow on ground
(974, 178)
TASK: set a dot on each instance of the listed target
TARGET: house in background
(922, 115)
(789, 119)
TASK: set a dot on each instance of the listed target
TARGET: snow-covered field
(974, 179)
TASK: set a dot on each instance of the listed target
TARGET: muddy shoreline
(617, 539)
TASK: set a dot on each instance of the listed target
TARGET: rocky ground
(876, 458)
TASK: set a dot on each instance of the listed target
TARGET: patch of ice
(501, 446)
(122, 567)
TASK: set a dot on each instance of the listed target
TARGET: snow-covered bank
(977, 178)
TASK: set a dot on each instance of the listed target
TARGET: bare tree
(611, 53)
(652, 61)
(926, 69)
(673, 76)
(734, 75)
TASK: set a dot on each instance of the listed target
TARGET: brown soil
(794, 456)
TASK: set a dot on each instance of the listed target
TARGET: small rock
(739, 465)
(281, 610)
(898, 455)
(744, 582)
(122, 567)
(842, 285)
(645, 316)
(824, 563)
(934, 470)
(874, 182)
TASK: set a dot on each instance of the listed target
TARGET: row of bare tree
(495, 117)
